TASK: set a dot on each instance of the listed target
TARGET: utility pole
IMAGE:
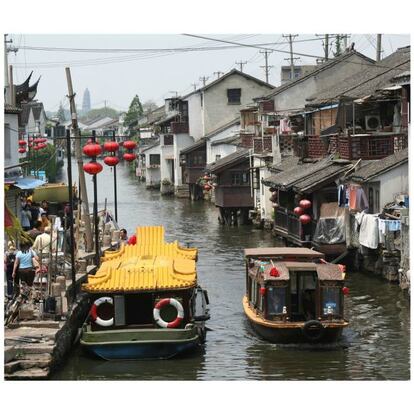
(204, 80)
(81, 173)
(7, 84)
(266, 66)
(292, 59)
(105, 106)
(379, 51)
(218, 73)
(326, 46)
(241, 63)
(194, 86)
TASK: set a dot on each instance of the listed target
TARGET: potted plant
(167, 187)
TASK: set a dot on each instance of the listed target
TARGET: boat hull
(138, 344)
(286, 332)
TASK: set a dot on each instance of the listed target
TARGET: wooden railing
(179, 127)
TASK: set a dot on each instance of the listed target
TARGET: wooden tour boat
(293, 295)
(146, 303)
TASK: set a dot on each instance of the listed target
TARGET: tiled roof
(377, 167)
(230, 140)
(197, 145)
(229, 160)
(151, 264)
(368, 80)
(318, 69)
(306, 177)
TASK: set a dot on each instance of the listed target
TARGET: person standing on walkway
(25, 216)
(25, 266)
(9, 259)
(35, 231)
(34, 210)
(43, 243)
(45, 222)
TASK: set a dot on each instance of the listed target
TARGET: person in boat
(123, 236)
(25, 265)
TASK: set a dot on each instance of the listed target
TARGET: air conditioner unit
(372, 122)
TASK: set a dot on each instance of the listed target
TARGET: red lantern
(22, 142)
(298, 211)
(92, 168)
(92, 149)
(42, 145)
(36, 147)
(262, 291)
(111, 161)
(305, 204)
(22, 150)
(274, 272)
(37, 140)
(30, 145)
(305, 219)
(30, 139)
(111, 146)
(130, 145)
(129, 157)
(345, 290)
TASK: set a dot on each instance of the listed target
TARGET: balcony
(287, 224)
(179, 127)
(261, 145)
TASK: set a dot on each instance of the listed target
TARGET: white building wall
(262, 195)
(223, 150)
(11, 138)
(392, 183)
(181, 141)
(195, 120)
(217, 110)
(152, 175)
(167, 155)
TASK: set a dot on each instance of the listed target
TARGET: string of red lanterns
(129, 146)
(300, 211)
(111, 147)
(92, 149)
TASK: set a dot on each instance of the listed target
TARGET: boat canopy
(283, 253)
(150, 264)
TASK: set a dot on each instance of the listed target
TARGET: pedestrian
(44, 207)
(43, 243)
(25, 265)
(25, 216)
(35, 231)
(45, 221)
(34, 210)
(9, 259)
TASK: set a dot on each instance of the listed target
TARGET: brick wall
(316, 147)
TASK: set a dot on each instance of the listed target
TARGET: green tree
(100, 113)
(135, 110)
(61, 113)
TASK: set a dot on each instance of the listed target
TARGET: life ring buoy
(313, 330)
(94, 311)
(161, 304)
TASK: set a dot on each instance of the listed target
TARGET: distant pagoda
(86, 104)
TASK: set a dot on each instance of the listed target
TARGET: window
(276, 300)
(331, 301)
(168, 140)
(239, 178)
(155, 159)
(218, 156)
(233, 96)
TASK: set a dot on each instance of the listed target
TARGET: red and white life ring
(161, 304)
(94, 311)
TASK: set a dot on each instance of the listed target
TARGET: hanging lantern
(111, 161)
(30, 139)
(37, 140)
(111, 146)
(22, 150)
(262, 291)
(345, 290)
(36, 147)
(92, 149)
(42, 145)
(129, 157)
(92, 168)
(274, 272)
(305, 204)
(22, 143)
(130, 145)
(298, 211)
(305, 219)
(30, 144)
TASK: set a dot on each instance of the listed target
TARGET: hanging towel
(353, 199)
(368, 232)
(362, 201)
(394, 225)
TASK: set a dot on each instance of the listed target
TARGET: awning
(27, 183)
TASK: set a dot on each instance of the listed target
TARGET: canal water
(374, 347)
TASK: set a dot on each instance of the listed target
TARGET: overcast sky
(117, 76)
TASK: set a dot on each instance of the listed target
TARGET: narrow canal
(374, 347)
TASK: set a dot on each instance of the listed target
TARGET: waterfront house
(231, 181)
(33, 118)
(149, 165)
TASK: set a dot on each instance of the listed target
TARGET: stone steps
(29, 374)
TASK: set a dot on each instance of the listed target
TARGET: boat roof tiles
(151, 264)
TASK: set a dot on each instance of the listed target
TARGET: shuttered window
(233, 96)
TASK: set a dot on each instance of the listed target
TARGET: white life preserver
(94, 311)
(164, 302)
